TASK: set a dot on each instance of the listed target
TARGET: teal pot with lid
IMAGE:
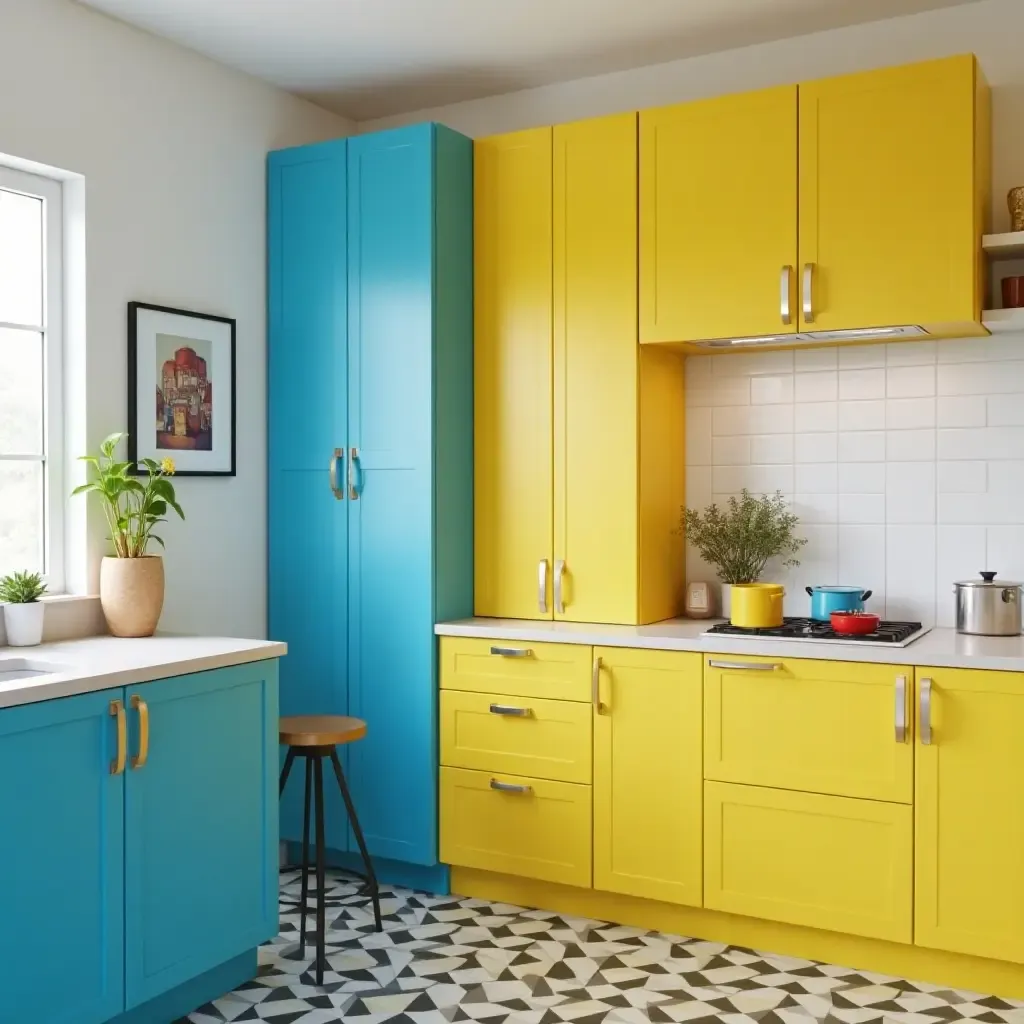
(826, 600)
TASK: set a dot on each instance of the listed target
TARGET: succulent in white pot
(23, 612)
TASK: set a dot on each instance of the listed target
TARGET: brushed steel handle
(353, 471)
(901, 709)
(508, 787)
(595, 687)
(786, 288)
(809, 293)
(139, 760)
(513, 712)
(559, 573)
(513, 652)
(926, 712)
(542, 585)
(339, 492)
(749, 666)
(117, 711)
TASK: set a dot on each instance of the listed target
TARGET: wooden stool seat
(320, 730)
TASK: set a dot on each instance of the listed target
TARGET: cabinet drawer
(520, 668)
(549, 739)
(818, 726)
(820, 861)
(541, 832)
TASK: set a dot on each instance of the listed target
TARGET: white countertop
(941, 648)
(103, 662)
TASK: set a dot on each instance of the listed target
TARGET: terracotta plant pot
(132, 594)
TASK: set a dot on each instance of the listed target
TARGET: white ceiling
(372, 58)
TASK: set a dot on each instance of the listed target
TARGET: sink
(13, 669)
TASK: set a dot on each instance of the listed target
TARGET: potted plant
(23, 614)
(131, 580)
(742, 538)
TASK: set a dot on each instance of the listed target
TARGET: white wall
(171, 148)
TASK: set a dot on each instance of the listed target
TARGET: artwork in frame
(181, 389)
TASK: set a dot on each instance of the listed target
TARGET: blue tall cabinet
(370, 461)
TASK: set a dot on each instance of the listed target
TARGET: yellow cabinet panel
(517, 668)
(595, 368)
(526, 826)
(647, 774)
(512, 370)
(970, 813)
(888, 211)
(820, 726)
(820, 861)
(718, 217)
(490, 732)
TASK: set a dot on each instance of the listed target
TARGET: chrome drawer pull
(513, 652)
(507, 709)
(808, 293)
(901, 709)
(508, 787)
(784, 310)
(559, 573)
(926, 712)
(542, 585)
(748, 666)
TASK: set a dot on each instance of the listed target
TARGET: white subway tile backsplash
(904, 461)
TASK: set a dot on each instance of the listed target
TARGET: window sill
(68, 617)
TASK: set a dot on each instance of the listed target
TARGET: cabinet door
(647, 775)
(718, 217)
(307, 549)
(970, 815)
(819, 861)
(391, 644)
(595, 369)
(201, 825)
(62, 861)
(887, 204)
(512, 371)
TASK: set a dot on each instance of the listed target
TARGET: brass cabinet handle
(512, 712)
(508, 787)
(339, 492)
(353, 468)
(117, 711)
(512, 652)
(809, 293)
(926, 711)
(595, 687)
(746, 666)
(786, 288)
(139, 760)
(542, 585)
(559, 573)
(901, 709)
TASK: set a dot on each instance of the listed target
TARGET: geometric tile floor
(443, 958)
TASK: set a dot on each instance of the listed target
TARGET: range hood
(815, 337)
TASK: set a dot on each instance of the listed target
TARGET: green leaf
(91, 459)
(163, 487)
(159, 540)
(157, 508)
(136, 486)
(110, 442)
(84, 488)
(152, 465)
(177, 508)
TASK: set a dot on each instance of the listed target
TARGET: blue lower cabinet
(61, 863)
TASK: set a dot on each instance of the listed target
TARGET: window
(31, 397)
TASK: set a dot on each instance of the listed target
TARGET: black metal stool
(315, 737)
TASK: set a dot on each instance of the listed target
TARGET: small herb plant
(132, 507)
(21, 588)
(742, 538)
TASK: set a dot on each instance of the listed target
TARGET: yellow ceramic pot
(757, 605)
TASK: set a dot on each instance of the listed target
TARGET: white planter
(24, 623)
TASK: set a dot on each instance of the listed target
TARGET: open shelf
(1003, 321)
(1006, 246)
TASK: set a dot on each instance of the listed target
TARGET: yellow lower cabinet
(970, 813)
(516, 825)
(820, 861)
(549, 739)
(647, 774)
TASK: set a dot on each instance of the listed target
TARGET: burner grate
(812, 629)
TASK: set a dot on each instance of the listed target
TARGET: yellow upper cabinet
(718, 217)
(970, 813)
(889, 230)
(512, 353)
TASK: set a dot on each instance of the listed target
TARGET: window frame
(51, 192)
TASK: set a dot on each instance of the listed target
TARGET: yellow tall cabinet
(579, 438)
(969, 877)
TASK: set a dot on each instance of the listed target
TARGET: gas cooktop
(889, 634)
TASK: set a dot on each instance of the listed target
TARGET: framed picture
(181, 389)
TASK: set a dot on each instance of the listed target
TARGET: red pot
(854, 623)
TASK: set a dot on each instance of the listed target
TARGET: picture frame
(181, 389)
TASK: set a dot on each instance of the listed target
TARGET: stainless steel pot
(987, 607)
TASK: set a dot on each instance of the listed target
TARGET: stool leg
(370, 874)
(321, 888)
(287, 770)
(305, 861)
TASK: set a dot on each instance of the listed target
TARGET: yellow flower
(167, 465)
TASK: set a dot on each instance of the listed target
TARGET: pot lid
(838, 590)
(988, 579)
